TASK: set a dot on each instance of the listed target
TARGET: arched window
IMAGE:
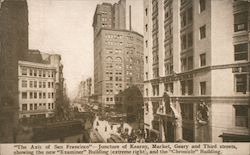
(118, 59)
(109, 59)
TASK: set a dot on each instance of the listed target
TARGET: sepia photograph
(124, 71)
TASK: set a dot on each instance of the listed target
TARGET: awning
(229, 137)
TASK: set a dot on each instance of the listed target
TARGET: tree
(132, 104)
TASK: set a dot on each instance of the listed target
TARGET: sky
(65, 27)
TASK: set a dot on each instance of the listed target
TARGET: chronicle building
(196, 70)
(118, 53)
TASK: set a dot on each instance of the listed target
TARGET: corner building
(196, 70)
(118, 53)
(38, 85)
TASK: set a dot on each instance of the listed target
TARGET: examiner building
(196, 70)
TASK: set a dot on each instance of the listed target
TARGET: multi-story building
(38, 82)
(85, 91)
(13, 47)
(196, 70)
(118, 53)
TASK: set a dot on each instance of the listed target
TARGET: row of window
(37, 72)
(110, 78)
(109, 99)
(113, 36)
(36, 106)
(116, 51)
(37, 95)
(37, 84)
(111, 43)
(242, 85)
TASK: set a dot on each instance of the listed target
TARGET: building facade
(196, 70)
(85, 91)
(13, 47)
(118, 54)
(38, 84)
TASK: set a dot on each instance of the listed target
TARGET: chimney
(130, 24)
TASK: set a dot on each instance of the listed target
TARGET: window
(156, 90)
(48, 105)
(183, 87)
(203, 88)
(190, 87)
(35, 84)
(146, 43)
(31, 72)
(52, 95)
(40, 95)
(35, 106)
(169, 87)
(52, 105)
(146, 91)
(24, 71)
(187, 111)
(190, 15)
(146, 11)
(183, 64)
(202, 5)
(44, 84)
(241, 52)
(31, 106)
(241, 83)
(203, 59)
(190, 62)
(183, 42)
(24, 83)
(48, 95)
(31, 84)
(240, 21)
(40, 84)
(24, 95)
(48, 84)
(40, 73)
(146, 59)
(111, 98)
(190, 39)
(146, 27)
(203, 32)
(44, 73)
(241, 115)
(44, 95)
(107, 99)
(35, 95)
(184, 19)
(31, 95)
(35, 72)
(146, 75)
(24, 106)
